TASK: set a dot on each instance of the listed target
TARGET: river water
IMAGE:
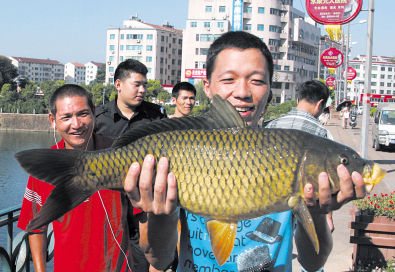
(12, 178)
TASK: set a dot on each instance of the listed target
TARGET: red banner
(330, 82)
(351, 73)
(332, 58)
(195, 73)
(335, 12)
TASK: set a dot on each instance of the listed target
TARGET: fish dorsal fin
(221, 115)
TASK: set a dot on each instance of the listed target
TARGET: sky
(75, 30)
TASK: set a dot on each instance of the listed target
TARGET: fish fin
(222, 237)
(53, 166)
(303, 215)
(65, 197)
(56, 167)
(221, 115)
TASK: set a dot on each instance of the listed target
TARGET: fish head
(340, 154)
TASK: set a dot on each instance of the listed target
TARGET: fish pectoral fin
(304, 217)
(222, 237)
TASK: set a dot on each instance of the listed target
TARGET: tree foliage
(7, 71)
(100, 76)
(280, 109)
(200, 95)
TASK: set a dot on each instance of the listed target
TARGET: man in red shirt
(94, 236)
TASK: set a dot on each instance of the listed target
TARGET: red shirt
(83, 238)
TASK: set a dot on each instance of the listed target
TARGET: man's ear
(173, 100)
(206, 86)
(118, 85)
(52, 119)
(319, 104)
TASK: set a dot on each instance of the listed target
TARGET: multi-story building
(74, 73)
(382, 85)
(39, 70)
(91, 71)
(292, 39)
(158, 47)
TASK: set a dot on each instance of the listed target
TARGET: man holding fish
(240, 69)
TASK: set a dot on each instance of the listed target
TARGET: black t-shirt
(111, 123)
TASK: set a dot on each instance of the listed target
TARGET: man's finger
(160, 188)
(131, 181)
(309, 195)
(346, 185)
(360, 187)
(172, 196)
(324, 192)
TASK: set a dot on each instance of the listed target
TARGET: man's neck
(126, 110)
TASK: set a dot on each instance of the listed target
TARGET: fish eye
(344, 160)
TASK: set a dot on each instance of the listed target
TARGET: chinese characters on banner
(330, 82)
(237, 24)
(332, 58)
(195, 73)
(333, 11)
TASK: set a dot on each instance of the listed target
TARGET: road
(340, 259)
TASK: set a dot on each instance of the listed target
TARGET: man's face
(74, 121)
(242, 77)
(184, 103)
(132, 91)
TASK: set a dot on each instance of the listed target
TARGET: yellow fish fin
(304, 217)
(222, 237)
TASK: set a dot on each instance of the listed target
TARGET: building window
(287, 85)
(162, 49)
(112, 47)
(276, 85)
(382, 84)
(111, 69)
(161, 71)
(203, 51)
(388, 91)
(374, 75)
(382, 76)
(150, 36)
(220, 24)
(112, 36)
(274, 42)
(277, 67)
(373, 84)
(382, 68)
(273, 28)
(389, 69)
(306, 34)
(134, 36)
(111, 58)
(260, 27)
(275, 11)
(247, 27)
(149, 47)
(221, 8)
(193, 24)
(206, 24)
(286, 68)
(120, 58)
(209, 8)
(388, 84)
(248, 10)
(149, 70)
(197, 37)
(149, 59)
(374, 68)
(381, 91)
(161, 60)
(196, 51)
(122, 36)
(389, 76)
(261, 10)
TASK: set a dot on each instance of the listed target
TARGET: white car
(360, 109)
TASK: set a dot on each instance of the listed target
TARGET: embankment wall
(33, 122)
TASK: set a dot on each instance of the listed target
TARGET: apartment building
(74, 73)
(91, 71)
(382, 85)
(292, 39)
(39, 70)
(158, 47)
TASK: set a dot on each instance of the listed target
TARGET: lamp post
(366, 97)
(104, 92)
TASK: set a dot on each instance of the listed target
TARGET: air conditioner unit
(300, 36)
(213, 17)
(208, 29)
(139, 52)
(111, 74)
(222, 29)
(224, 17)
(113, 52)
(109, 62)
(138, 41)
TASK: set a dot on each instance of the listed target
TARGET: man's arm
(351, 187)
(38, 247)
(158, 226)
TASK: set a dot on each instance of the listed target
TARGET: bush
(280, 109)
(377, 205)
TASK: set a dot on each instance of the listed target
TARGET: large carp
(225, 171)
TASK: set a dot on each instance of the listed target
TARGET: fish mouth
(372, 175)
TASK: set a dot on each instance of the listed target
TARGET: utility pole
(366, 96)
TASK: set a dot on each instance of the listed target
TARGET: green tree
(49, 87)
(153, 89)
(280, 109)
(7, 71)
(200, 95)
(100, 75)
(164, 95)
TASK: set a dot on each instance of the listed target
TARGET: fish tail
(56, 167)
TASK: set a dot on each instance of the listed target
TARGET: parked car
(383, 129)
(360, 109)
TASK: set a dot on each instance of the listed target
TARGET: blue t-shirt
(263, 242)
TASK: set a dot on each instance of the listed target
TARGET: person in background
(312, 98)
(346, 115)
(129, 110)
(240, 69)
(183, 96)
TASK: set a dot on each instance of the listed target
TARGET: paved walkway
(340, 259)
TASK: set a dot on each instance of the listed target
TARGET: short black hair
(182, 86)
(313, 91)
(70, 90)
(239, 40)
(129, 66)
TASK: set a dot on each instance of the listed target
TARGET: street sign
(330, 82)
(332, 57)
(351, 73)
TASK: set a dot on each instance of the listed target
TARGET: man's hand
(159, 197)
(351, 187)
